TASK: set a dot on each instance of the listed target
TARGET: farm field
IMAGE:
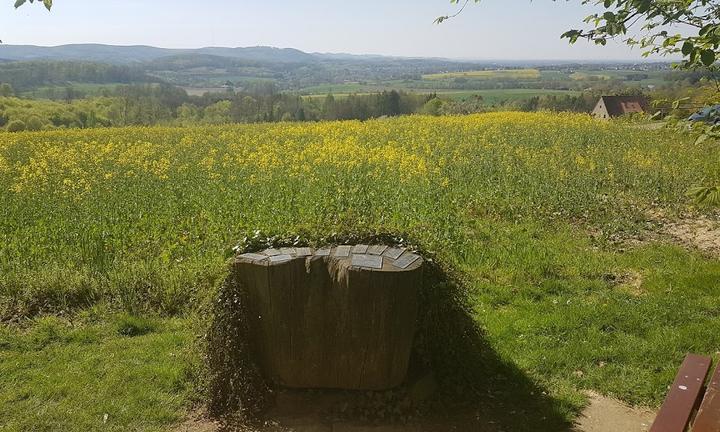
(498, 87)
(628, 76)
(490, 97)
(113, 242)
(487, 74)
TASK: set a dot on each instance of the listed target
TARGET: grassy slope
(61, 375)
(577, 316)
(507, 198)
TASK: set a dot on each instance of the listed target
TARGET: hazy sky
(494, 29)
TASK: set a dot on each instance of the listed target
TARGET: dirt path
(609, 415)
(692, 231)
(292, 415)
(700, 233)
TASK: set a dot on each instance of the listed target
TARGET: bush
(34, 123)
(432, 107)
(16, 126)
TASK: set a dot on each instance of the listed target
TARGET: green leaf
(706, 29)
(19, 3)
(687, 48)
(705, 194)
(48, 4)
(707, 57)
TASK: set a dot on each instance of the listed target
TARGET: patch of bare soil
(628, 280)
(299, 411)
(691, 231)
(304, 412)
(317, 412)
(700, 233)
(197, 423)
(609, 415)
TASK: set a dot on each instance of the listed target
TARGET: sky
(491, 30)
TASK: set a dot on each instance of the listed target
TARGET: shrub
(432, 107)
(34, 123)
(16, 126)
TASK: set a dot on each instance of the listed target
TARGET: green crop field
(113, 242)
(491, 97)
(346, 88)
(487, 74)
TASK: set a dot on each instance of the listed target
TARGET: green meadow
(114, 242)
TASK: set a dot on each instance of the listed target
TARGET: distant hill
(180, 62)
(27, 75)
(83, 52)
(261, 54)
(28, 67)
(142, 53)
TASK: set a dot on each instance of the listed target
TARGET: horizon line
(402, 56)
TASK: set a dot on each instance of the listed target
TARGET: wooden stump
(335, 318)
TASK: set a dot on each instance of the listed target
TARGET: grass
(85, 375)
(576, 316)
(131, 228)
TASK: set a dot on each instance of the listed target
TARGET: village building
(616, 106)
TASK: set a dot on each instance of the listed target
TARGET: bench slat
(683, 396)
(708, 417)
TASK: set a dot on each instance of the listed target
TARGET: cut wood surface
(340, 320)
(708, 417)
(682, 399)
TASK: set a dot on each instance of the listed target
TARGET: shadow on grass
(472, 378)
(456, 381)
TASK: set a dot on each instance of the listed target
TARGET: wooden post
(329, 321)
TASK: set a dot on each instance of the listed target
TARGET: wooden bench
(689, 406)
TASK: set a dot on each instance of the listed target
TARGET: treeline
(581, 103)
(163, 104)
(154, 104)
(259, 103)
(23, 76)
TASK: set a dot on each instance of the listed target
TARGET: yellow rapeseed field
(114, 242)
(148, 212)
